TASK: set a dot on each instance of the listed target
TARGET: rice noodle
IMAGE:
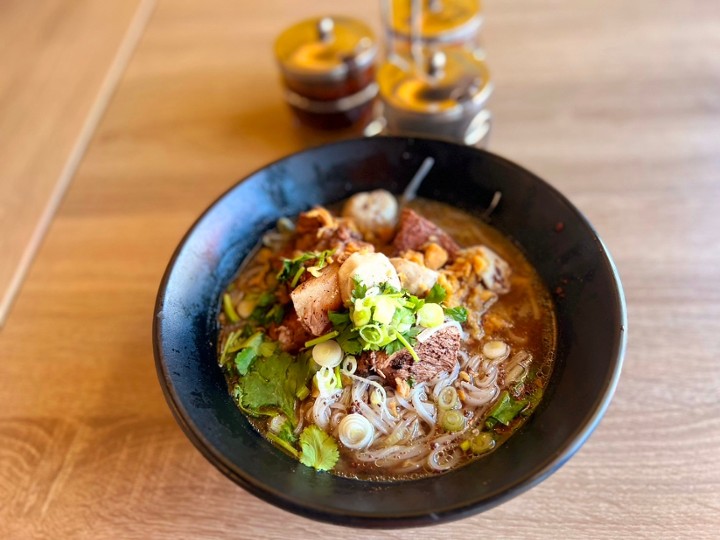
(446, 380)
(420, 407)
(321, 409)
(394, 453)
(480, 396)
(473, 363)
(375, 419)
(438, 460)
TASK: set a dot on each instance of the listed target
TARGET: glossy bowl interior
(556, 238)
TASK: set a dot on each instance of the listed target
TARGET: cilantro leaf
(339, 320)
(393, 347)
(436, 295)
(286, 433)
(458, 314)
(349, 342)
(505, 410)
(319, 450)
(359, 290)
(293, 269)
(267, 310)
(243, 360)
(275, 314)
(269, 378)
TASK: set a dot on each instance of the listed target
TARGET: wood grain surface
(59, 63)
(615, 103)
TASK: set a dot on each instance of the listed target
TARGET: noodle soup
(386, 344)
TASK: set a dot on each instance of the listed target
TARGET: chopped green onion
(297, 275)
(372, 333)
(452, 420)
(448, 398)
(322, 339)
(430, 315)
(253, 341)
(407, 346)
(229, 309)
(302, 393)
(338, 379)
(484, 442)
(361, 317)
(384, 310)
(267, 349)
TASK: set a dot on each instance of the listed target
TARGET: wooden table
(616, 103)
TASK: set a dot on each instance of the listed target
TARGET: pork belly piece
(414, 232)
(313, 298)
(437, 354)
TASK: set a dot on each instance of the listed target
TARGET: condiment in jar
(446, 100)
(328, 69)
(438, 23)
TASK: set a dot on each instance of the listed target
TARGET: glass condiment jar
(439, 23)
(328, 71)
(446, 98)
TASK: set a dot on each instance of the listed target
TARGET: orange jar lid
(447, 82)
(439, 21)
(325, 48)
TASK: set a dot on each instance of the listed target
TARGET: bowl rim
(537, 475)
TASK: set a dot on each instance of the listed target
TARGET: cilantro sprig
(293, 269)
(384, 318)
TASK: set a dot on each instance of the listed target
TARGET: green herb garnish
(436, 295)
(229, 309)
(319, 450)
(505, 410)
(459, 314)
(293, 269)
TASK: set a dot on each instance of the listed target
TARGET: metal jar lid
(440, 21)
(325, 48)
(452, 83)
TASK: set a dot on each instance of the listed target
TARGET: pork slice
(313, 298)
(414, 231)
(290, 333)
(437, 354)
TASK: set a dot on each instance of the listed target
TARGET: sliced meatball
(375, 214)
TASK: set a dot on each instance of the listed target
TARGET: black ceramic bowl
(556, 238)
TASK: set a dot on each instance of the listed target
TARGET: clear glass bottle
(440, 24)
(445, 98)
